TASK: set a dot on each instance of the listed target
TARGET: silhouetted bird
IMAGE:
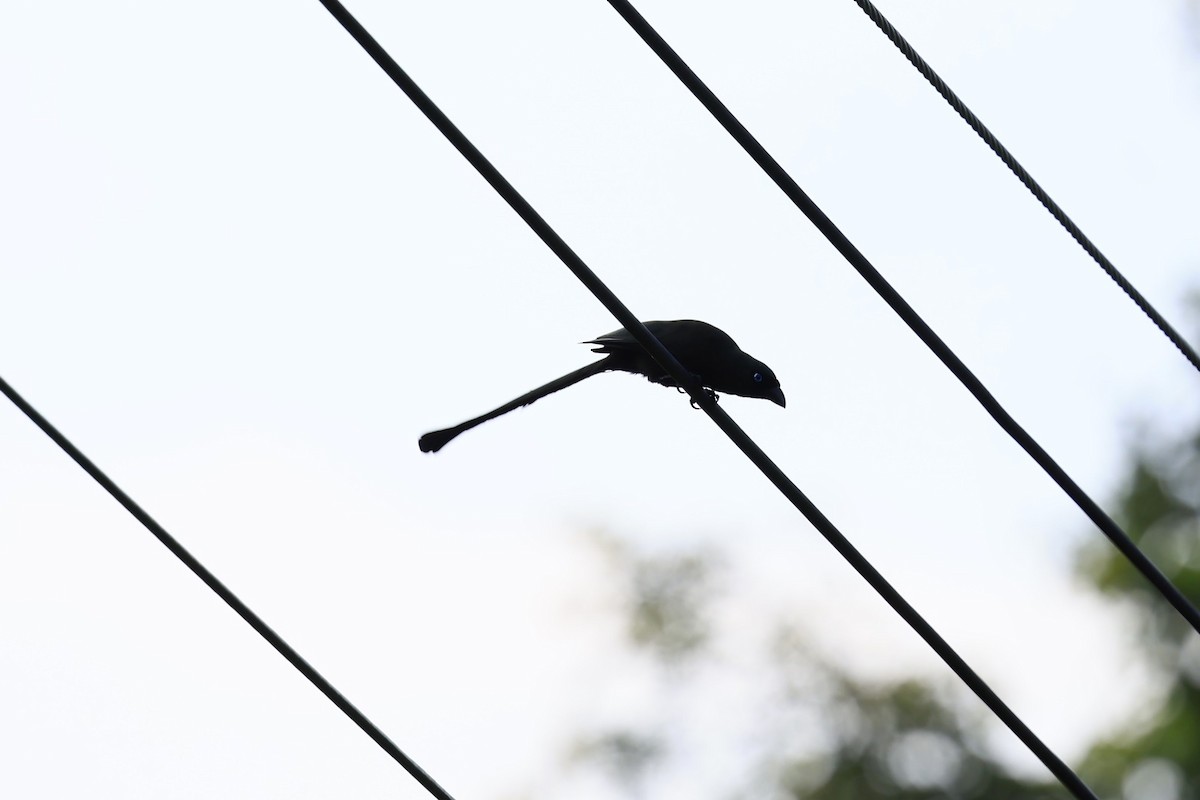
(707, 352)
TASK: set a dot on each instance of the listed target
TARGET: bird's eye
(758, 377)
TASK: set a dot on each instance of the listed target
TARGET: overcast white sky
(244, 274)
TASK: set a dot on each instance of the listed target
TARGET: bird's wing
(676, 334)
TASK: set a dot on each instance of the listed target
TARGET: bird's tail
(436, 440)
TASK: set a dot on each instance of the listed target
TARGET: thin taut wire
(234, 602)
(685, 379)
(906, 312)
(1023, 175)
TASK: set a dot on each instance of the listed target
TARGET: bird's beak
(776, 396)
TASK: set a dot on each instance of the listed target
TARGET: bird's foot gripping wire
(716, 398)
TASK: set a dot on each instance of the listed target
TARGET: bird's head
(755, 379)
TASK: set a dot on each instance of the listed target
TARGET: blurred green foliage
(905, 739)
(1159, 506)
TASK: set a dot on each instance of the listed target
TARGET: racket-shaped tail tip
(432, 442)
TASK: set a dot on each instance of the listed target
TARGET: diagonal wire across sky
(1023, 175)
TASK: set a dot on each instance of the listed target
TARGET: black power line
(914, 321)
(685, 379)
(1023, 175)
(255, 621)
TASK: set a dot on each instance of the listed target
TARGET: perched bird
(707, 352)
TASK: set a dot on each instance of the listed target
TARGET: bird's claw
(716, 398)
